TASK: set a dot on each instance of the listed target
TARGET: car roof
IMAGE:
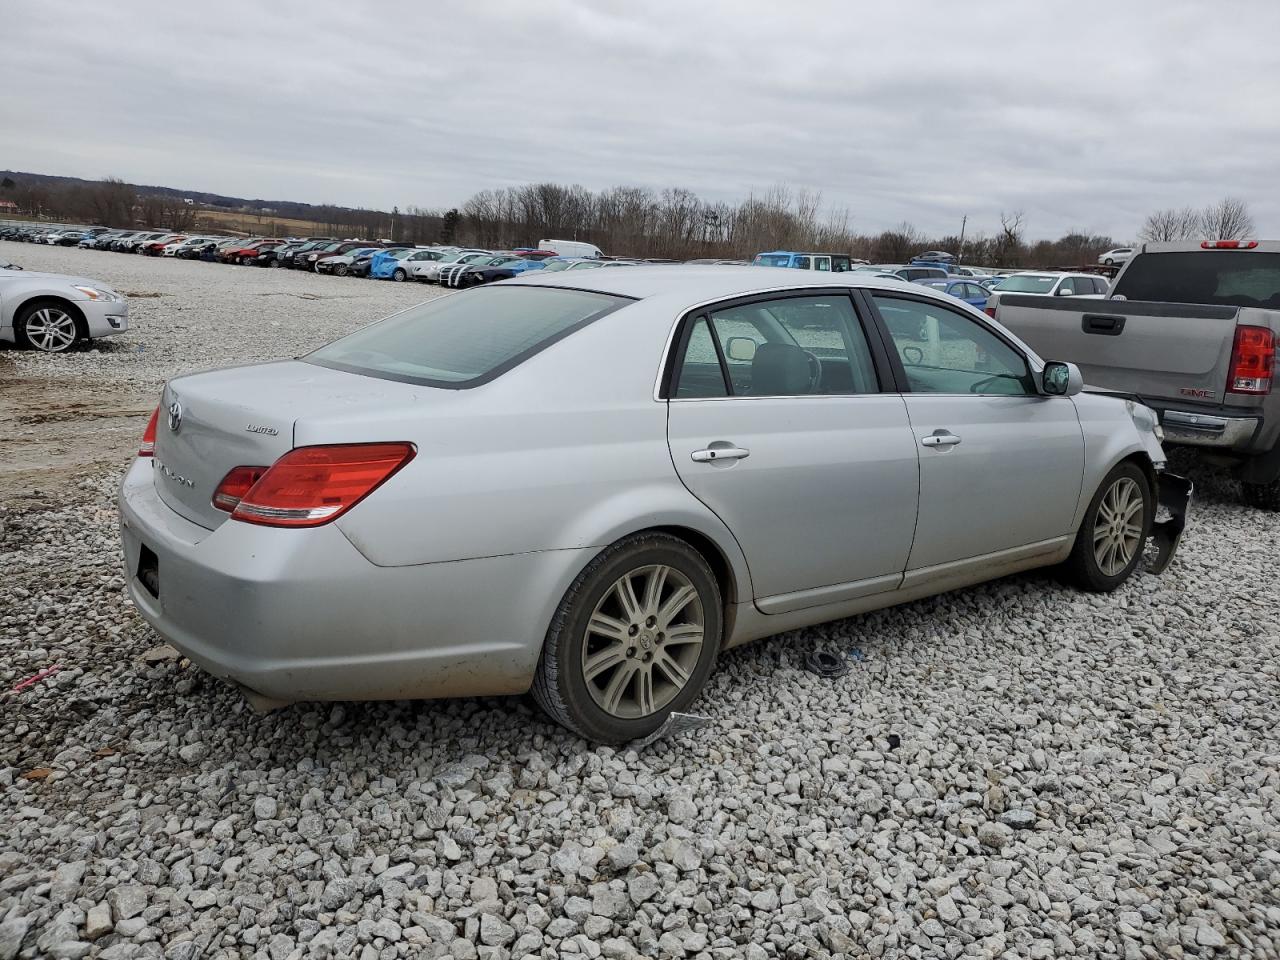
(695, 282)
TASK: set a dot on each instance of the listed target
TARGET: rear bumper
(303, 615)
(1208, 430)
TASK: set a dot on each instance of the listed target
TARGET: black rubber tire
(27, 310)
(1262, 496)
(1081, 568)
(399, 276)
(1109, 262)
(342, 269)
(562, 693)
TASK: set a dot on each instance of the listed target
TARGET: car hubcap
(1117, 531)
(51, 329)
(643, 642)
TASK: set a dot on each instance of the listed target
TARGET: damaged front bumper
(1174, 496)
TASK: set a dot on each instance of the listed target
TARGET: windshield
(554, 265)
(1215, 277)
(1027, 283)
(772, 260)
(465, 340)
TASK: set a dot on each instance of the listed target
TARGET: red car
(154, 248)
(238, 254)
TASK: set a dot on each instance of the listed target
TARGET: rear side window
(791, 346)
(466, 339)
(1233, 278)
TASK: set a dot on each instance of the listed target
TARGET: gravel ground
(1016, 770)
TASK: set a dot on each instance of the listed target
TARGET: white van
(571, 248)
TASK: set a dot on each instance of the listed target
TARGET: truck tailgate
(1162, 350)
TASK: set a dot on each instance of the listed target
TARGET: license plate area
(149, 570)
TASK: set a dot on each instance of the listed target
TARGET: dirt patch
(142, 294)
(52, 437)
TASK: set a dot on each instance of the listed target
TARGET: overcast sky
(1085, 116)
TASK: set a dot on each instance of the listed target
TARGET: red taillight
(310, 486)
(148, 446)
(1228, 244)
(235, 485)
(1253, 357)
(990, 312)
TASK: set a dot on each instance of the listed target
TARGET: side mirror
(740, 348)
(1060, 379)
(1064, 292)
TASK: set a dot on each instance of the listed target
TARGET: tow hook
(1174, 496)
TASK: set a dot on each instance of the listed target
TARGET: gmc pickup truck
(1191, 329)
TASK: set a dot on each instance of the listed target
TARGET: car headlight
(95, 293)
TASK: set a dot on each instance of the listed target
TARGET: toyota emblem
(175, 416)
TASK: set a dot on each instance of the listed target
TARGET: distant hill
(283, 208)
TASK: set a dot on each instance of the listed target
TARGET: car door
(1001, 465)
(778, 423)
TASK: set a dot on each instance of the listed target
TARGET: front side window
(794, 346)
(946, 352)
(802, 263)
(465, 340)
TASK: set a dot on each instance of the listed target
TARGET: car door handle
(716, 452)
(940, 438)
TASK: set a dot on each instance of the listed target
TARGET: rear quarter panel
(567, 450)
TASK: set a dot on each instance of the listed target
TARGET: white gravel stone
(1130, 739)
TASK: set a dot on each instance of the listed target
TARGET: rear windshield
(1217, 277)
(773, 260)
(468, 338)
(1027, 284)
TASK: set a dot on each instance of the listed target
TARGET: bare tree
(1009, 242)
(1228, 219)
(1171, 224)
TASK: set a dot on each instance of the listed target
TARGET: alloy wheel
(50, 329)
(643, 641)
(1117, 529)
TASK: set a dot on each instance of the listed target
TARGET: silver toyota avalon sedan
(588, 484)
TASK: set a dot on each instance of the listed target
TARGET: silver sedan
(589, 485)
(53, 313)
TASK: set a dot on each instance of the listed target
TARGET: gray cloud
(1083, 117)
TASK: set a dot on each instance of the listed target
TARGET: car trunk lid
(210, 423)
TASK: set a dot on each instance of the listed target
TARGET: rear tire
(633, 640)
(1262, 496)
(1114, 531)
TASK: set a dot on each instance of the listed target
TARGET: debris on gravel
(1013, 770)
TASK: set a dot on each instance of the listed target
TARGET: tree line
(673, 223)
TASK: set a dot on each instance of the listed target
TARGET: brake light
(311, 486)
(237, 482)
(990, 312)
(1228, 244)
(148, 446)
(1253, 357)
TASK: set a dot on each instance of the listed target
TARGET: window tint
(464, 340)
(700, 371)
(1238, 278)
(802, 263)
(822, 263)
(840, 264)
(785, 347)
(947, 352)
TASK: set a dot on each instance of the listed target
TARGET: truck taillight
(310, 486)
(148, 446)
(1253, 358)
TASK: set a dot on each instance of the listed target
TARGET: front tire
(1109, 262)
(1114, 531)
(634, 639)
(342, 269)
(399, 276)
(48, 327)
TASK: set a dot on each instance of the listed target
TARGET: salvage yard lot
(1016, 768)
